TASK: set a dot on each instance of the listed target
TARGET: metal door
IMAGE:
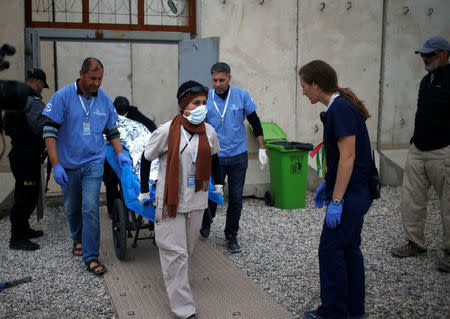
(195, 59)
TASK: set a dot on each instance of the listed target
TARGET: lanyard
(222, 116)
(193, 155)
(84, 108)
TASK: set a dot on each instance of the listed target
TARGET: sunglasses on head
(194, 90)
(430, 55)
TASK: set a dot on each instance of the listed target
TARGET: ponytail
(349, 95)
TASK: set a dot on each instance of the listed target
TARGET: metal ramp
(221, 289)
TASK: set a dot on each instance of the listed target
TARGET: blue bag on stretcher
(131, 187)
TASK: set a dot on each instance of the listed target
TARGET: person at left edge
(77, 117)
(25, 129)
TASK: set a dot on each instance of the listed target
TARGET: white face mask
(197, 115)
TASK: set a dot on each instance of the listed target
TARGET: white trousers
(424, 169)
(176, 239)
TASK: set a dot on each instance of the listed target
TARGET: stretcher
(128, 214)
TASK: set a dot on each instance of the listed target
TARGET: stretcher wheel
(268, 198)
(119, 229)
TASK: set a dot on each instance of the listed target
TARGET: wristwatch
(336, 201)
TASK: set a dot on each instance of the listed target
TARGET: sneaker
(23, 244)
(31, 233)
(233, 245)
(204, 232)
(312, 315)
(408, 250)
(193, 316)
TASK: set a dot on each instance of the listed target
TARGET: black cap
(37, 74)
(121, 104)
(190, 87)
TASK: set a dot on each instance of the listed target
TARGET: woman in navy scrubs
(345, 192)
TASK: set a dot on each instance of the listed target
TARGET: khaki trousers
(424, 169)
(176, 239)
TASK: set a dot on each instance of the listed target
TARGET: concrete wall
(12, 21)
(259, 43)
(11, 32)
(349, 39)
(265, 45)
(408, 25)
(144, 73)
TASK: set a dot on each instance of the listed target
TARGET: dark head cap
(188, 90)
(37, 74)
(121, 104)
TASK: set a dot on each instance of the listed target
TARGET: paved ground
(279, 255)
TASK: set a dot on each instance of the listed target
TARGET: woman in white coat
(187, 149)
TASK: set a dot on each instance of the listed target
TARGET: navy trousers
(235, 168)
(27, 173)
(342, 278)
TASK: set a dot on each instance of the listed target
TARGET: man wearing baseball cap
(25, 129)
(428, 161)
(38, 74)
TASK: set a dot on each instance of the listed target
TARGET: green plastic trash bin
(288, 163)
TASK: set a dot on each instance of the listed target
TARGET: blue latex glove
(123, 159)
(319, 196)
(60, 175)
(333, 215)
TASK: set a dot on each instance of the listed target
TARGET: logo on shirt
(236, 108)
(48, 107)
(97, 112)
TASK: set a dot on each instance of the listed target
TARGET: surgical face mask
(197, 115)
(433, 66)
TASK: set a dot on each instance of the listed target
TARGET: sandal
(76, 249)
(95, 269)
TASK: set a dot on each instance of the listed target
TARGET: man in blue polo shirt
(228, 106)
(77, 117)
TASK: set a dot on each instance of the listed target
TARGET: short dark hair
(220, 67)
(87, 63)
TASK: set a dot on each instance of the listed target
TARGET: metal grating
(125, 15)
(220, 288)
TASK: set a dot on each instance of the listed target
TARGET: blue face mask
(197, 115)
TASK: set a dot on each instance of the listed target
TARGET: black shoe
(233, 245)
(23, 244)
(204, 232)
(444, 265)
(408, 250)
(31, 233)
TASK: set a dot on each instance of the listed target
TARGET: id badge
(191, 179)
(86, 128)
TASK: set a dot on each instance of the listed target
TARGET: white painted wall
(265, 45)
(144, 73)
(12, 23)
(349, 39)
(405, 33)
